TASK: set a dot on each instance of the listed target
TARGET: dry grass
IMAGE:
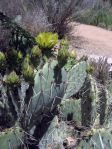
(41, 15)
(101, 70)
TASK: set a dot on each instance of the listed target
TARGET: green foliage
(98, 17)
(2, 60)
(12, 79)
(47, 40)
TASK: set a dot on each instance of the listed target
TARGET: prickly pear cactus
(98, 139)
(94, 92)
(89, 101)
(48, 90)
(52, 84)
(35, 81)
(75, 79)
(70, 110)
(56, 134)
(11, 138)
(85, 110)
(108, 110)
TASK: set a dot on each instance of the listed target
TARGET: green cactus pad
(52, 83)
(75, 79)
(48, 89)
(100, 139)
(108, 110)
(56, 133)
(89, 102)
(95, 101)
(70, 109)
(11, 138)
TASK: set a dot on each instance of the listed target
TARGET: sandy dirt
(91, 40)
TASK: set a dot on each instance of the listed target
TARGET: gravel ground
(91, 40)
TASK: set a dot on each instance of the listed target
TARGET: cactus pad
(101, 139)
(70, 109)
(11, 138)
(56, 134)
(75, 79)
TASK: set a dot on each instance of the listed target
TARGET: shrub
(35, 21)
(100, 15)
(101, 18)
(101, 69)
(59, 14)
(44, 15)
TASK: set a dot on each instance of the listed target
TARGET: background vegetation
(49, 99)
(99, 14)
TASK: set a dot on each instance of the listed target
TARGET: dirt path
(91, 40)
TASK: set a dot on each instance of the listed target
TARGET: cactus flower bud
(90, 69)
(28, 73)
(12, 79)
(63, 55)
(2, 59)
(73, 54)
(35, 52)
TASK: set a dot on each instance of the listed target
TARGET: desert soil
(91, 40)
